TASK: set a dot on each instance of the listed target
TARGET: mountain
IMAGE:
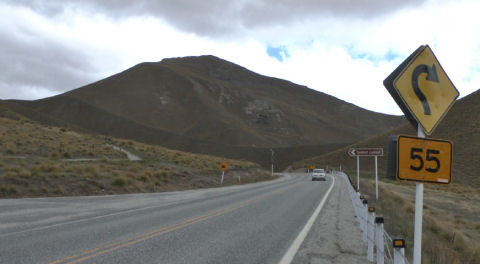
(209, 105)
(461, 125)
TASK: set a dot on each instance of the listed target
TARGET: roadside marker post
(379, 221)
(398, 251)
(370, 233)
(365, 220)
(272, 158)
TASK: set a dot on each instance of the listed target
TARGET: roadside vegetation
(451, 219)
(38, 161)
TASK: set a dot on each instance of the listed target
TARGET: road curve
(254, 223)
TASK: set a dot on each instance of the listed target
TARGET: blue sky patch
(280, 53)
(389, 56)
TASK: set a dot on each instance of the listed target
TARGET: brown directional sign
(422, 89)
(424, 160)
(224, 166)
(353, 152)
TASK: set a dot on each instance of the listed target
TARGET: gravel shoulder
(335, 236)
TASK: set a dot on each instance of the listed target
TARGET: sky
(344, 48)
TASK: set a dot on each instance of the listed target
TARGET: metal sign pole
(358, 173)
(376, 178)
(417, 236)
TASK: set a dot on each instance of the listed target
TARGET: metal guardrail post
(370, 233)
(379, 221)
(398, 251)
(364, 219)
(359, 207)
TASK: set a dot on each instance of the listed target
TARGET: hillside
(208, 105)
(461, 125)
(451, 220)
(38, 160)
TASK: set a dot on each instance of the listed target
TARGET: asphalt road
(253, 223)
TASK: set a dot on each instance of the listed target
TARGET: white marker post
(272, 159)
(223, 174)
(417, 236)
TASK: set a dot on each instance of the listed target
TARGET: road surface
(254, 223)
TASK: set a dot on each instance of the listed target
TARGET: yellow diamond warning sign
(422, 89)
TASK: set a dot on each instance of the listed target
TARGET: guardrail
(372, 229)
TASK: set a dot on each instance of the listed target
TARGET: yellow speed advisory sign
(422, 89)
(424, 160)
(224, 166)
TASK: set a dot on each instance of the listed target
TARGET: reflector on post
(399, 243)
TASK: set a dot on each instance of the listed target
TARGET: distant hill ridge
(461, 125)
(209, 105)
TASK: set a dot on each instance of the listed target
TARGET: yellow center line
(85, 255)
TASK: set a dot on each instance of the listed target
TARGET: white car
(318, 175)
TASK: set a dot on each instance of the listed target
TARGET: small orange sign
(224, 166)
(424, 160)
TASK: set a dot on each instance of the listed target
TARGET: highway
(254, 223)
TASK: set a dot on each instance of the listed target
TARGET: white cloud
(346, 56)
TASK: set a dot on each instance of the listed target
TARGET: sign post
(357, 152)
(424, 93)
(417, 235)
(358, 173)
(376, 178)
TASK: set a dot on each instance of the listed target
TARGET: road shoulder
(335, 236)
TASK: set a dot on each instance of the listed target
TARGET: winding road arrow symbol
(431, 76)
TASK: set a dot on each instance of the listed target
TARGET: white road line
(290, 254)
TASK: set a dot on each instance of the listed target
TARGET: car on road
(318, 175)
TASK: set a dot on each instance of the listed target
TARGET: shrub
(54, 155)
(119, 181)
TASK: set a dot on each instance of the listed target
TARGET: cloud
(36, 60)
(224, 18)
(337, 47)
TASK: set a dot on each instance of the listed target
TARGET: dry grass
(450, 219)
(27, 139)
(203, 163)
(32, 164)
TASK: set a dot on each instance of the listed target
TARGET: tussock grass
(28, 139)
(32, 164)
(450, 219)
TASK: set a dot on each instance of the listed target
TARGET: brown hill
(208, 105)
(38, 160)
(461, 125)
